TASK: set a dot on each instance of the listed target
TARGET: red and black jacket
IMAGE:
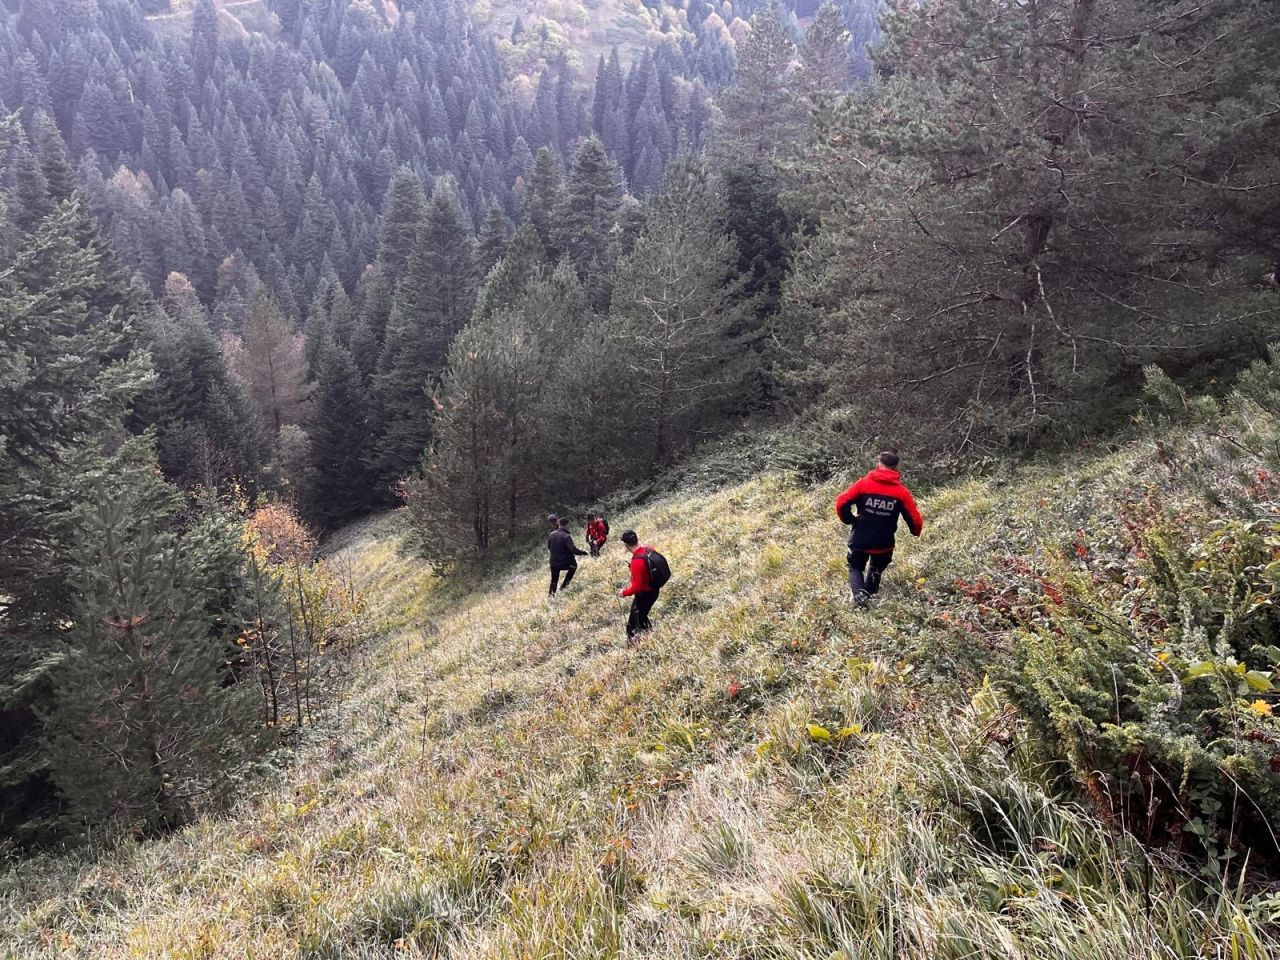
(880, 498)
(639, 574)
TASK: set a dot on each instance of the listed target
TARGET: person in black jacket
(564, 555)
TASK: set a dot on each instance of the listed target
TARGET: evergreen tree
(760, 122)
(30, 197)
(825, 66)
(432, 303)
(674, 301)
(204, 423)
(1027, 207)
(507, 282)
(403, 212)
(73, 370)
(474, 476)
(492, 242)
(544, 197)
(147, 729)
(588, 417)
(341, 486)
(589, 212)
(204, 39)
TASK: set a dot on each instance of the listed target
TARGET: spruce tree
(74, 367)
(204, 38)
(206, 433)
(432, 303)
(403, 212)
(589, 212)
(147, 728)
(492, 242)
(543, 197)
(341, 485)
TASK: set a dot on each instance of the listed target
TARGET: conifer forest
(313, 311)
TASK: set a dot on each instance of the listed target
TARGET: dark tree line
(233, 157)
(1034, 201)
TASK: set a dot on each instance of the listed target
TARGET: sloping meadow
(770, 773)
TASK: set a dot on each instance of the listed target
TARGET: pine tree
(543, 197)
(825, 67)
(474, 477)
(760, 122)
(492, 242)
(588, 417)
(675, 302)
(147, 728)
(341, 486)
(589, 212)
(432, 303)
(1023, 198)
(506, 283)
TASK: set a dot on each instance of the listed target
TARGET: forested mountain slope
(1072, 658)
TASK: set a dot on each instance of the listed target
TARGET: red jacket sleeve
(639, 575)
(915, 522)
(846, 497)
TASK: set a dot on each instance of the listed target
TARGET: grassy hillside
(769, 774)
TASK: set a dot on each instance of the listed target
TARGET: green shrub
(1156, 689)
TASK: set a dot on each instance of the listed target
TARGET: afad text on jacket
(880, 498)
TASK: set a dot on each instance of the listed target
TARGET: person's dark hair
(630, 538)
(564, 521)
(889, 458)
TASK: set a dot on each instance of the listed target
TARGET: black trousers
(638, 620)
(594, 548)
(864, 583)
(555, 576)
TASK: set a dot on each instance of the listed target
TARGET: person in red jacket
(643, 594)
(880, 499)
(597, 534)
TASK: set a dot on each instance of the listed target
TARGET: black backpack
(659, 569)
(605, 523)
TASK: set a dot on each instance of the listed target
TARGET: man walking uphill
(642, 590)
(880, 498)
(564, 555)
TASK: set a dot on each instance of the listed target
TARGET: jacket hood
(885, 475)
